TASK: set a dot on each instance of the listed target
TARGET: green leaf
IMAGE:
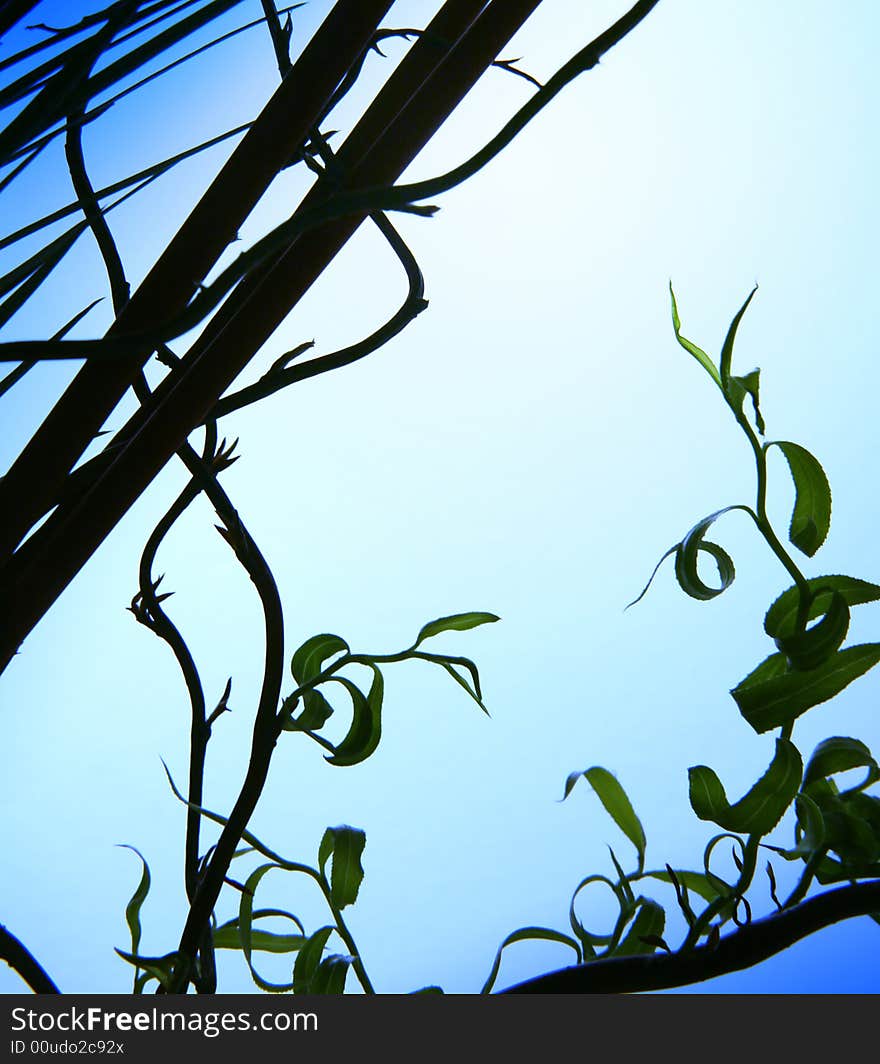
(781, 618)
(346, 845)
(770, 697)
(698, 353)
(133, 909)
(762, 808)
(622, 879)
(687, 556)
(308, 661)
(727, 347)
(588, 939)
(246, 934)
(689, 579)
(458, 622)
(525, 934)
(852, 826)
(612, 795)
(811, 517)
(228, 935)
(646, 930)
(810, 834)
(698, 882)
(366, 723)
(315, 714)
(448, 664)
(308, 960)
(329, 978)
(839, 754)
(739, 388)
(644, 590)
(812, 825)
(809, 649)
(161, 968)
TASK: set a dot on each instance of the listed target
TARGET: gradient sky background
(531, 445)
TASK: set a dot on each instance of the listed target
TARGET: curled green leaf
(687, 558)
(588, 939)
(762, 807)
(365, 732)
(247, 937)
(525, 934)
(646, 930)
(308, 660)
(810, 837)
(315, 713)
(840, 754)
(809, 649)
(228, 935)
(811, 517)
(781, 618)
(747, 385)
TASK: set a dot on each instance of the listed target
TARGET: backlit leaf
(344, 845)
(772, 697)
(330, 975)
(727, 347)
(762, 807)
(809, 649)
(309, 959)
(612, 795)
(365, 732)
(840, 754)
(782, 615)
(811, 517)
(525, 934)
(698, 353)
(646, 930)
(308, 660)
(458, 622)
(133, 909)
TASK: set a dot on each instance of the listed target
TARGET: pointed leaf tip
(457, 622)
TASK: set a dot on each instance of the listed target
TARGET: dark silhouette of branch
(146, 175)
(748, 945)
(21, 960)
(278, 378)
(34, 480)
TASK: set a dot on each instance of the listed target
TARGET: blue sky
(531, 445)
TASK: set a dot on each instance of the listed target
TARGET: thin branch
(266, 723)
(741, 949)
(22, 961)
(92, 115)
(280, 36)
(399, 198)
(146, 176)
(412, 306)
